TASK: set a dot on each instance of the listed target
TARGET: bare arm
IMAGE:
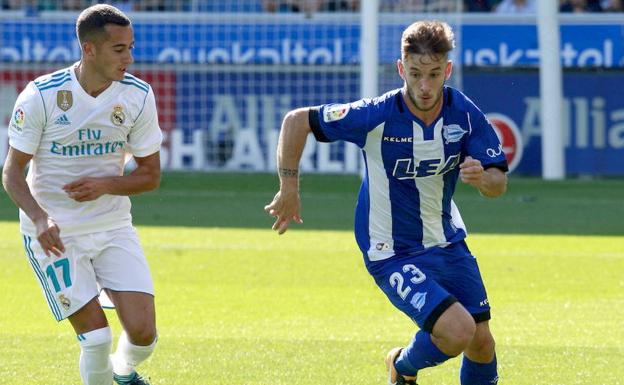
(14, 182)
(286, 205)
(490, 183)
(145, 177)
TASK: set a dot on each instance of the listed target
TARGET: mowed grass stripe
(250, 307)
(237, 200)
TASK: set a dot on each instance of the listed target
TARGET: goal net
(225, 73)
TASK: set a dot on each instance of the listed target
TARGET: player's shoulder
(459, 101)
(387, 99)
(382, 105)
(53, 80)
(133, 83)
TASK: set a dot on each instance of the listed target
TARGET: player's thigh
(122, 269)
(411, 286)
(137, 315)
(481, 348)
(455, 328)
(121, 264)
(89, 317)
(68, 282)
(462, 278)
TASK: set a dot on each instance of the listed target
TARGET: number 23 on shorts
(396, 280)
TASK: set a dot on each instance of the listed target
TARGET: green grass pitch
(238, 304)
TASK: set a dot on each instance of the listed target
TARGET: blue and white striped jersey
(404, 205)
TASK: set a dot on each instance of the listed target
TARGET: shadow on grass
(531, 206)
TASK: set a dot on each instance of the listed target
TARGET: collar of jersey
(416, 118)
(85, 94)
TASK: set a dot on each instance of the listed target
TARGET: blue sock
(473, 373)
(421, 353)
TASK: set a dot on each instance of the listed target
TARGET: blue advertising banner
(32, 40)
(229, 116)
(312, 42)
(209, 124)
(593, 118)
(240, 126)
(510, 45)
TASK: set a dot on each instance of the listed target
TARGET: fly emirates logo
(89, 143)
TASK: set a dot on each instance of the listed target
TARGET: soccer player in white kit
(75, 127)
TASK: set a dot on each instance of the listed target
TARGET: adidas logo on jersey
(62, 120)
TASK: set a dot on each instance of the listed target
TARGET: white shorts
(110, 259)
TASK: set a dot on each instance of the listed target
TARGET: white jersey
(73, 135)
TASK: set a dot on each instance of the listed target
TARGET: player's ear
(87, 48)
(448, 70)
(401, 68)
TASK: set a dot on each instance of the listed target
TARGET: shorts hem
(482, 316)
(129, 290)
(437, 312)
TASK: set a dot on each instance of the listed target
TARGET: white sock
(95, 364)
(128, 356)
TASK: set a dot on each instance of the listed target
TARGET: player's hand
(49, 236)
(285, 207)
(471, 172)
(86, 189)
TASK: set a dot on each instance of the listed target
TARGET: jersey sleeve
(145, 136)
(27, 120)
(350, 122)
(483, 143)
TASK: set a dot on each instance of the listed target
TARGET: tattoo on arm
(288, 173)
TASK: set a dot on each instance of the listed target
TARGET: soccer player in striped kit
(417, 141)
(75, 127)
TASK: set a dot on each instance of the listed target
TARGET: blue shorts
(425, 285)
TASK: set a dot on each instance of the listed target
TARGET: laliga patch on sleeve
(335, 112)
(19, 116)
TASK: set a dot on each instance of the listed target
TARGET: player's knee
(454, 330)
(482, 345)
(461, 334)
(141, 334)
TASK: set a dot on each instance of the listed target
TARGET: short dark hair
(92, 20)
(427, 38)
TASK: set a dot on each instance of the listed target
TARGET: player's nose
(128, 59)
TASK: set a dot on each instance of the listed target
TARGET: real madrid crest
(118, 117)
(64, 99)
(64, 301)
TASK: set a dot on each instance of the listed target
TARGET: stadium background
(238, 304)
(224, 79)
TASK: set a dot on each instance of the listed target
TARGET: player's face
(113, 54)
(424, 77)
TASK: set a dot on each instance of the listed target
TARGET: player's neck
(90, 80)
(428, 116)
